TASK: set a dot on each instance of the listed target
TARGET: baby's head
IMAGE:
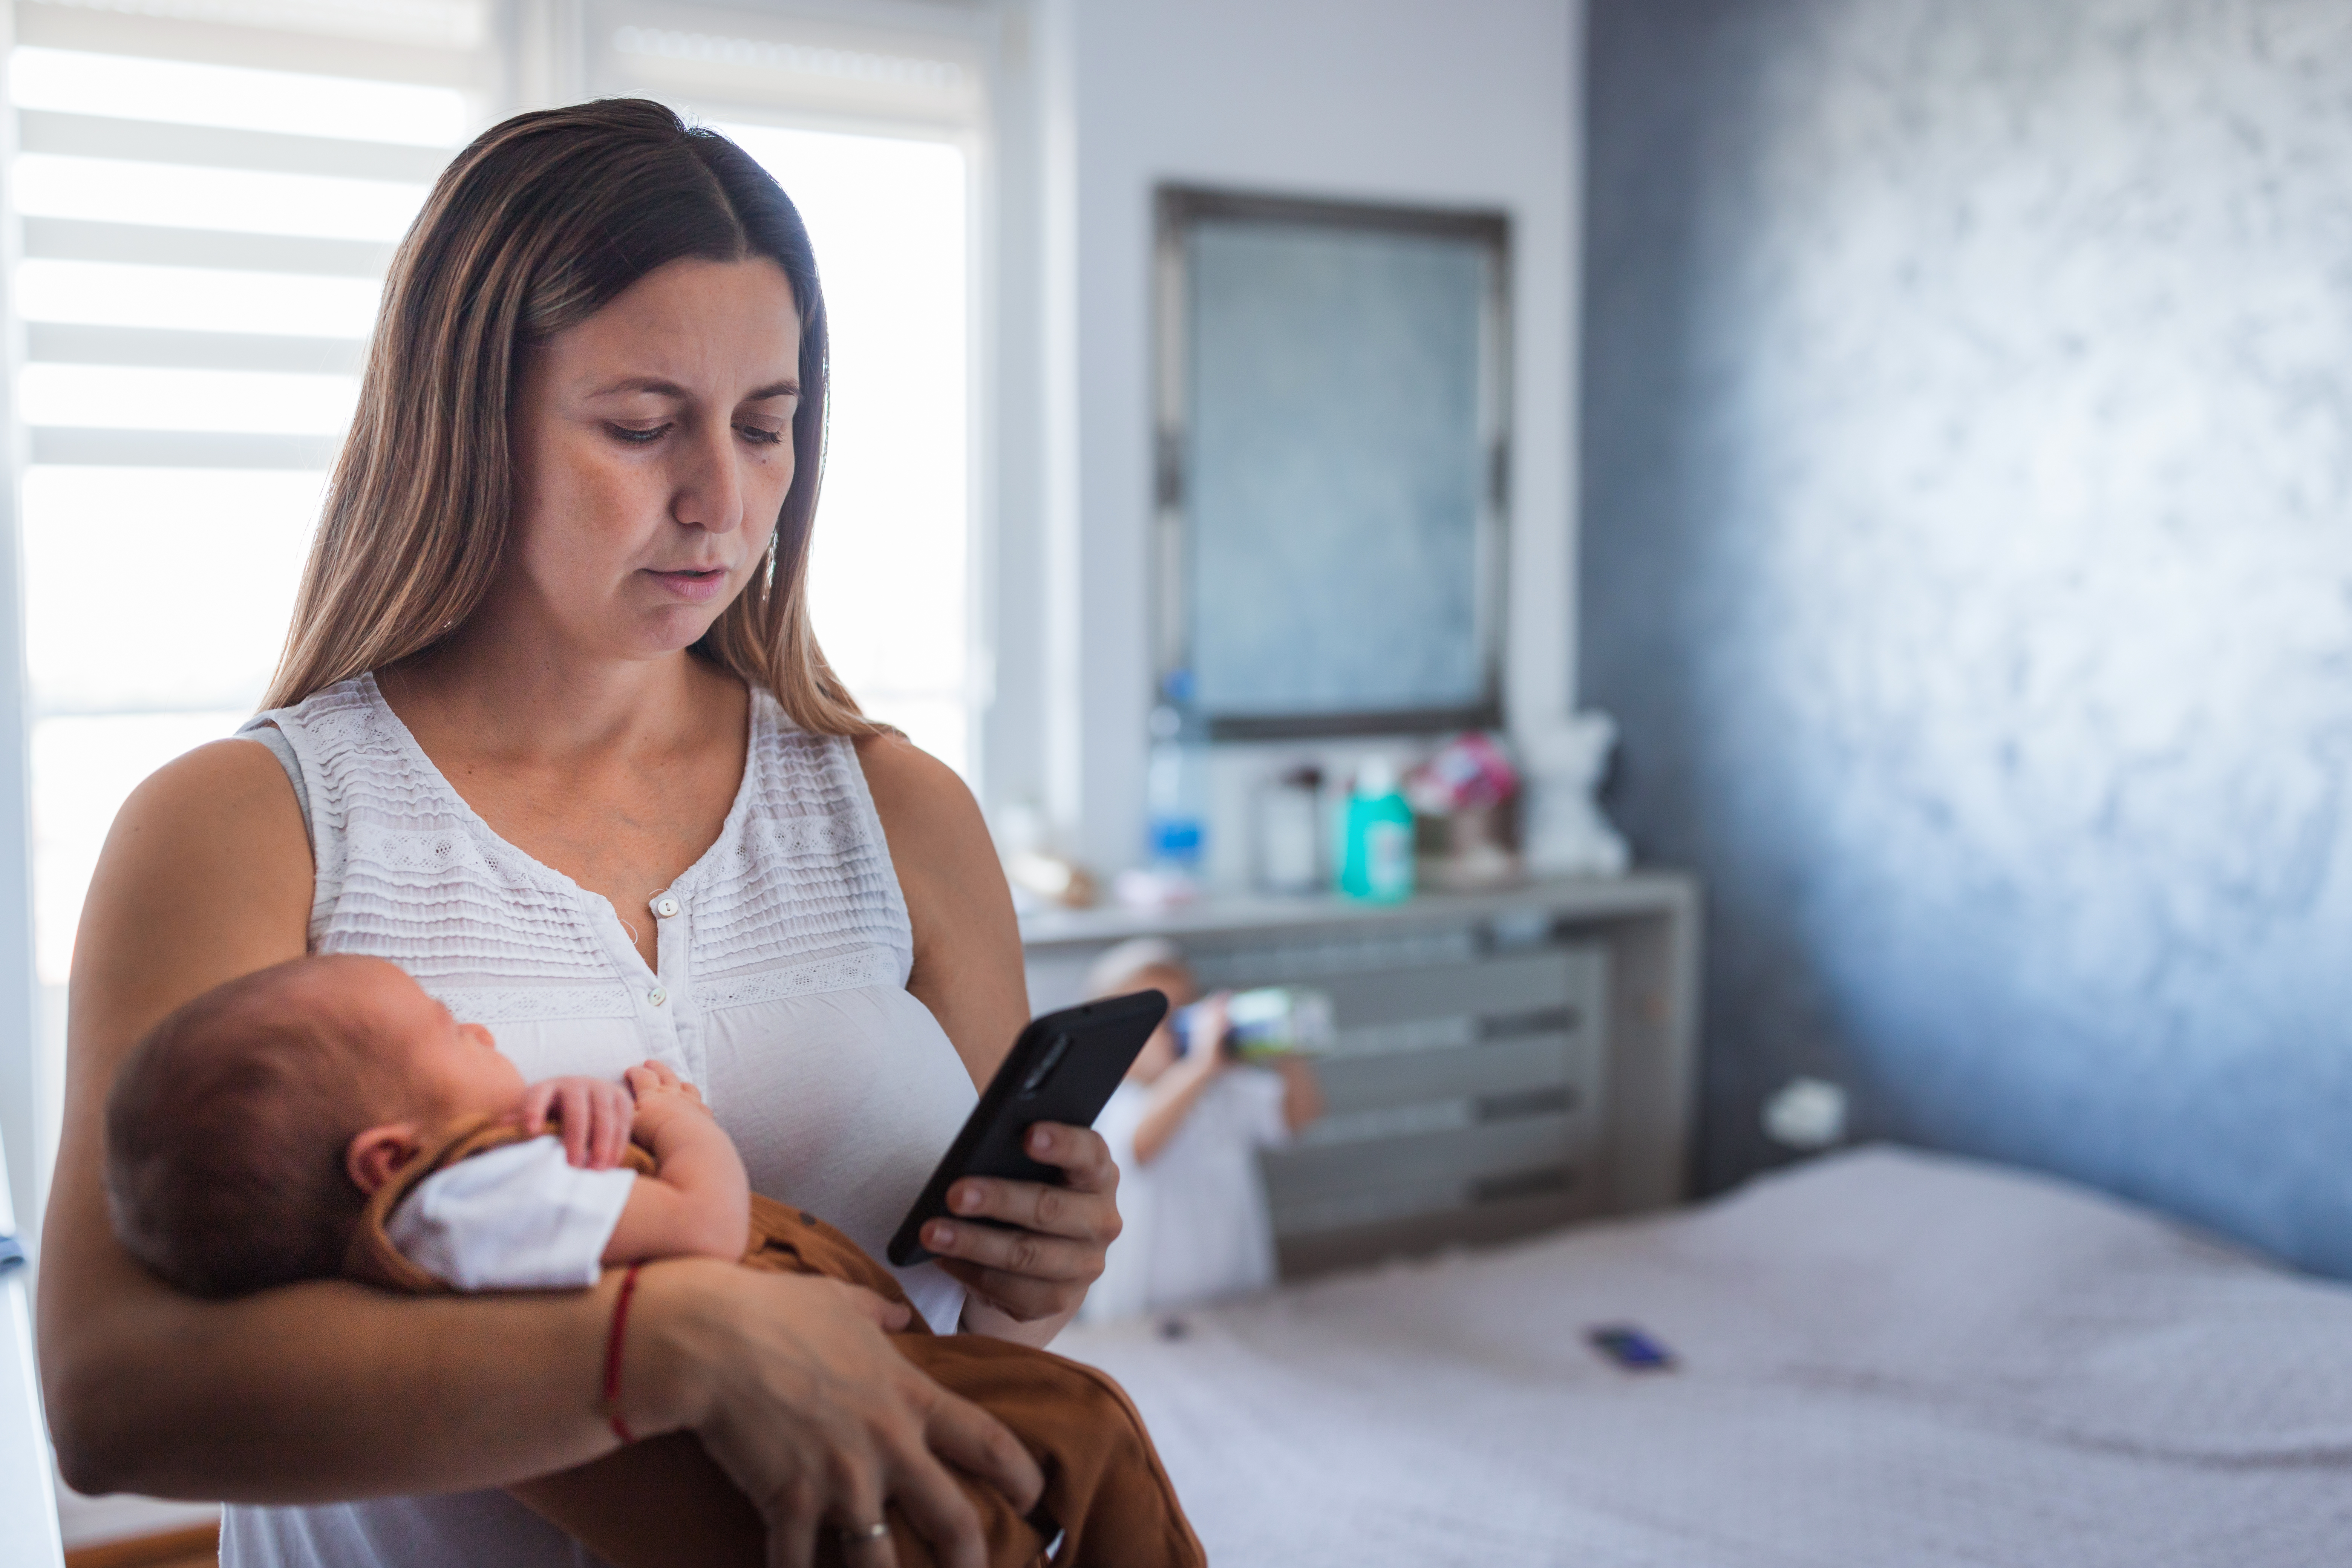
(1148, 964)
(244, 1131)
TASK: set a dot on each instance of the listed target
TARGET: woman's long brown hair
(535, 228)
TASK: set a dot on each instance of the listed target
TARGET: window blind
(209, 193)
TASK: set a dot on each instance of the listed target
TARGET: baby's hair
(1116, 969)
(226, 1133)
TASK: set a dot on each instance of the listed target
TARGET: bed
(1886, 1358)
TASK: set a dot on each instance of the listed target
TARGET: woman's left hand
(1041, 1267)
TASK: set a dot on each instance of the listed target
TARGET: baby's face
(453, 1069)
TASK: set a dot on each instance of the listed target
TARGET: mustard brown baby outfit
(663, 1501)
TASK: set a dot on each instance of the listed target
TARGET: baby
(327, 1117)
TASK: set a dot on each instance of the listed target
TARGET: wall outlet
(1806, 1113)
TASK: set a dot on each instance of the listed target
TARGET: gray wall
(1967, 553)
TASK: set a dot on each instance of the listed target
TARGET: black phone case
(1063, 1068)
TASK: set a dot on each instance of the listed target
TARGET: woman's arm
(293, 1394)
(1027, 1282)
(968, 969)
(329, 1390)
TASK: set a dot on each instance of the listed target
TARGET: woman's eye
(634, 436)
(765, 436)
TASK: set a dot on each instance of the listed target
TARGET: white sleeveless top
(781, 991)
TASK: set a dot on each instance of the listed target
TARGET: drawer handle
(1543, 1021)
(1554, 1100)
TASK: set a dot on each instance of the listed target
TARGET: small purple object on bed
(1630, 1348)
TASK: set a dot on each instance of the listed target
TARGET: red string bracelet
(612, 1342)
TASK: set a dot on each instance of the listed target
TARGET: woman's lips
(695, 587)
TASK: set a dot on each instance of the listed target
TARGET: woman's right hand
(794, 1391)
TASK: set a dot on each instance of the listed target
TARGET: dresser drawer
(1465, 1092)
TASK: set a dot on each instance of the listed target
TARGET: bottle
(1376, 863)
(1176, 794)
(1290, 831)
(1261, 1023)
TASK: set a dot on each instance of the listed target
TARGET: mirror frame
(1178, 208)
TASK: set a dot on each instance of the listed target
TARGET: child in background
(1186, 1128)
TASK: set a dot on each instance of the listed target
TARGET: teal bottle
(1376, 847)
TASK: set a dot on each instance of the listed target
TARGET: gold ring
(853, 1534)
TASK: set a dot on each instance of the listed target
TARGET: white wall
(1457, 103)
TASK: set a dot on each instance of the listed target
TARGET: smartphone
(1063, 1068)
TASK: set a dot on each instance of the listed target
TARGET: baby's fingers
(535, 1101)
(578, 1117)
(664, 1075)
(614, 1114)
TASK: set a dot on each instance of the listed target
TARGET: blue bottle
(1176, 796)
(1376, 844)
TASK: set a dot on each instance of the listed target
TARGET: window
(205, 244)
(888, 577)
(211, 191)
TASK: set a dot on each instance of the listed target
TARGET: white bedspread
(1888, 1359)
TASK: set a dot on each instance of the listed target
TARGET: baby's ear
(378, 1154)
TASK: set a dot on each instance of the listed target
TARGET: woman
(559, 742)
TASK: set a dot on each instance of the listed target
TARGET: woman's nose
(710, 489)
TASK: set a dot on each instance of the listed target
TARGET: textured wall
(1967, 552)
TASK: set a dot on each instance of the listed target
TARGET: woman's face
(654, 446)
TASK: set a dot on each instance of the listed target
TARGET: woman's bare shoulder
(205, 874)
(235, 784)
(920, 799)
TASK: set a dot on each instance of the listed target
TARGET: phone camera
(1045, 1066)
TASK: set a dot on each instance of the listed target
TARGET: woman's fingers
(1047, 1244)
(1083, 1207)
(823, 1423)
(791, 1538)
(1024, 1298)
(965, 1436)
(887, 1315)
(1081, 1152)
(858, 1508)
(1028, 1252)
(938, 1509)
(977, 1443)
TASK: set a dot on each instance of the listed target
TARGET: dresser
(1507, 1061)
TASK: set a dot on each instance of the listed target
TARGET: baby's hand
(660, 1095)
(593, 1115)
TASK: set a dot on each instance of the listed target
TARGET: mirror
(1334, 446)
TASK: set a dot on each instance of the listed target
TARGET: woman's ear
(379, 1153)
